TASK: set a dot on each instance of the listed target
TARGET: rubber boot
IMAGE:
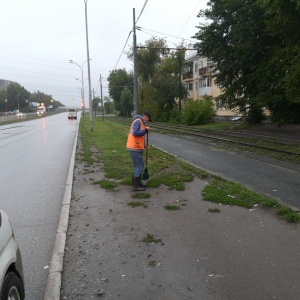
(136, 185)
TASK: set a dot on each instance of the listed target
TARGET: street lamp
(89, 70)
(82, 86)
(18, 101)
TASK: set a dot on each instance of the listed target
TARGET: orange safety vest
(136, 142)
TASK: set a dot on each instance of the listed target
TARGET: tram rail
(272, 144)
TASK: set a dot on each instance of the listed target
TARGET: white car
(11, 267)
(20, 115)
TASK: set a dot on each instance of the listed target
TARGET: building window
(190, 86)
(196, 67)
(196, 86)
(203, 83)
(208, 79)
(206, 82)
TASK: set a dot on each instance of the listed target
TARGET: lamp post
(82, 86)
(88, 62)
(52, 103)
(18, 101)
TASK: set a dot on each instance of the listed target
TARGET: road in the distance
(34, 164)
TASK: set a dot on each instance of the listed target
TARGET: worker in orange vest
(136, 146)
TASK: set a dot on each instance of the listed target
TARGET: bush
(198, 112)
(175, 116)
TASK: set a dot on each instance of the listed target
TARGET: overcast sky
(39, 37)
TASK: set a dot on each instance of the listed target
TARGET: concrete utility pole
(101, 98)
(135, 74)
(89, 69)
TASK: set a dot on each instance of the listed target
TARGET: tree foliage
(198, 112)
(256, 55)
(119, 80)
(126, 103)
(16, 97)
(159, 78)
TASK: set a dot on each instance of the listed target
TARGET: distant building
(4, 83)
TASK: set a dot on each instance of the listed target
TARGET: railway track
(288, 148)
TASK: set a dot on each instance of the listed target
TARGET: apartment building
(198, 79)
(4, 83)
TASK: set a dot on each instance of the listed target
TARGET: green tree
(126, 103)
(160, 78)
(284, 25)
(108, 105)
(166, 86)
(3, 104)
(249, 56)
(41, 97)
(150, 58)
(119, 80)
(17, 97)
(97, 105)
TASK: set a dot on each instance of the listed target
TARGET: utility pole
(89, 69)
(94, 106)
(179, 81)
(101, 98)
(135, 74)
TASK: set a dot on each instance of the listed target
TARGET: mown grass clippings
(230, 193)
(171, 207)
(137, 204)
(107, 184)
(152, 263)
(149, 239)
(141, 196)
(214, 210)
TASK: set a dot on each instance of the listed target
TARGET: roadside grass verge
(229, 193)
(107, 144)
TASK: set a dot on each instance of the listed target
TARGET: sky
(39, 37)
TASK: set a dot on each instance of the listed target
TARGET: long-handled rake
(145, 175)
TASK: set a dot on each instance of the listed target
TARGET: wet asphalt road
(34, 159)
(276, 179)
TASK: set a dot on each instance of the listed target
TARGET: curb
(53, 285)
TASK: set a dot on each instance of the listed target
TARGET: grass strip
(107, 144)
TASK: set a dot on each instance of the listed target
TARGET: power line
(130, 34)
(190, 17)
(122, 50)
(139, 28)
(142, 11)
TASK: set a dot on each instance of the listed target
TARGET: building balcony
(206, 71)
(188, 75)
